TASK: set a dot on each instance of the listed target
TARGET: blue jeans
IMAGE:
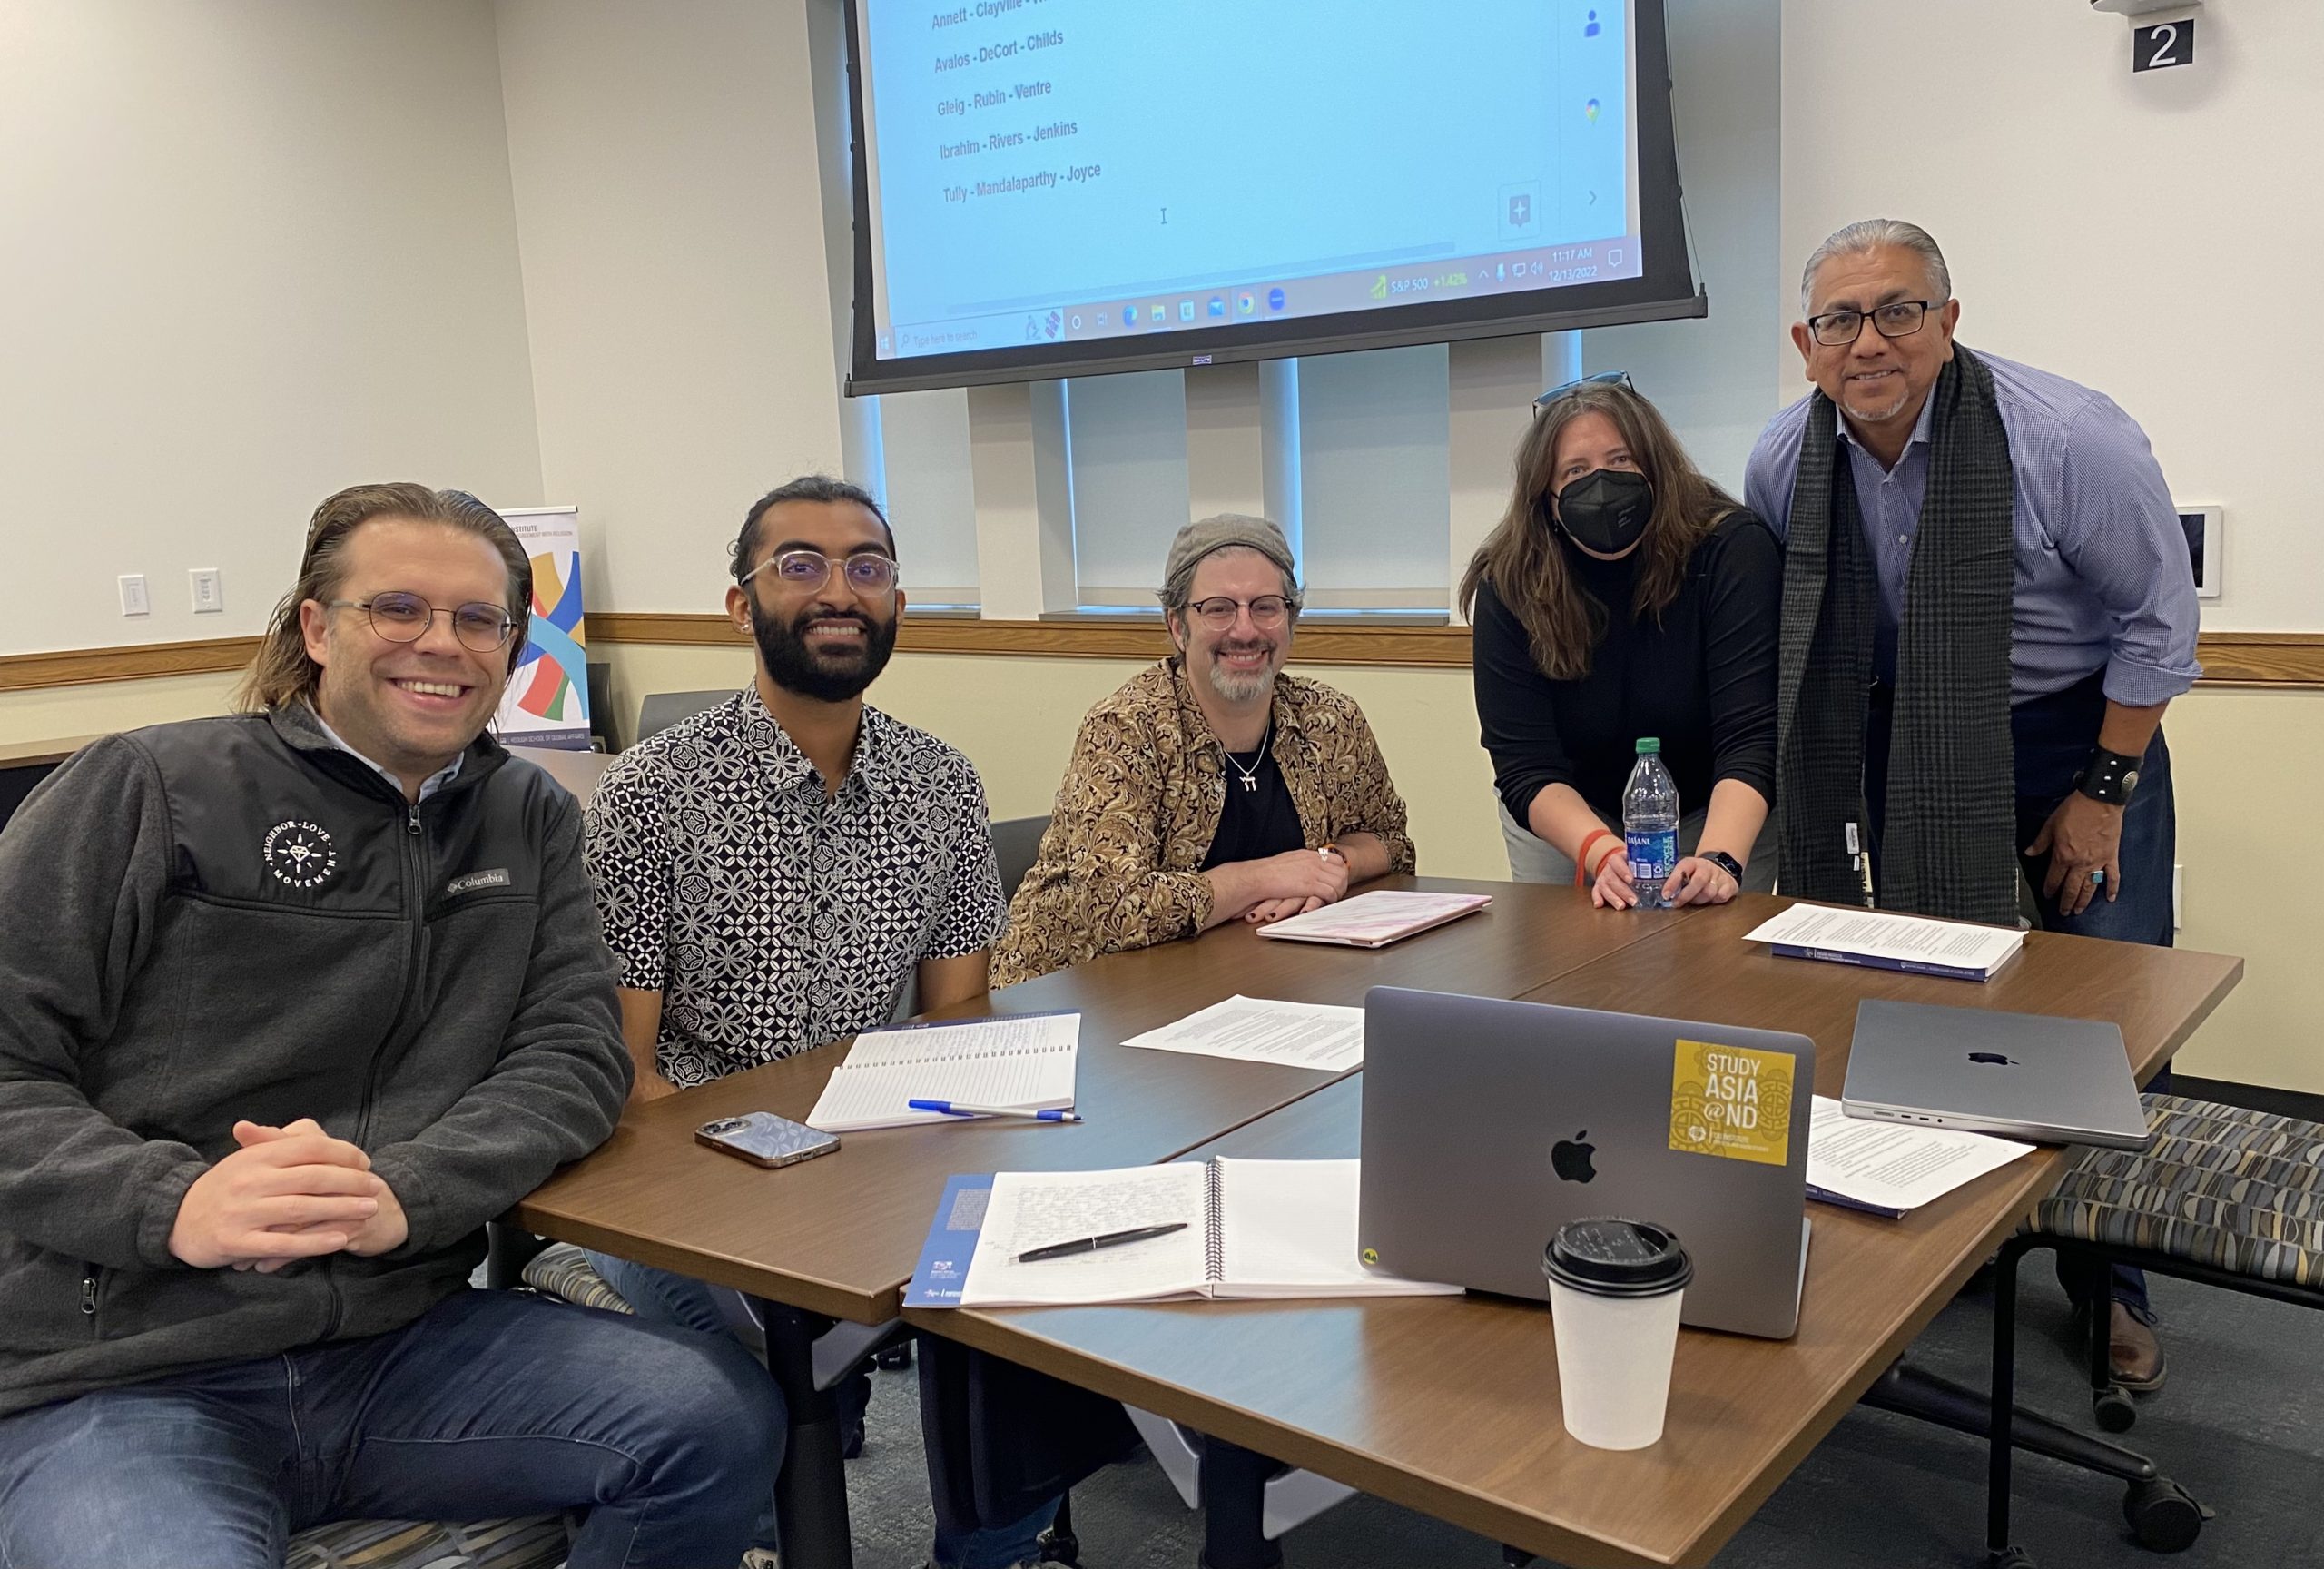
(2052, 738)
(490, 1403)
(2047, 759)
(697, 1305)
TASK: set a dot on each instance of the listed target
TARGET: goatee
(794, 666)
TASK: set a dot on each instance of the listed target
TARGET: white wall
(251, 254)
(2154, 236)
(670, 210)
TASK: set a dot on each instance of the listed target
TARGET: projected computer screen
(1049, 185)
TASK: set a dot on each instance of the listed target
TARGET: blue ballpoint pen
(962, 1108)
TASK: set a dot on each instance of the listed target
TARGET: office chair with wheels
(2224, 1196)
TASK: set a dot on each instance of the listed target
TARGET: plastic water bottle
(1650, 823)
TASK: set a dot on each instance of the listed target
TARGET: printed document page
(1027, 1060)
(1287, 1228)
(1260, 1030)
(1894, 1165)
(1032, 1210)
(1884, 934)
(1370, 920)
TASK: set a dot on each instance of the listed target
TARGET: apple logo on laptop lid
(1569, 1158)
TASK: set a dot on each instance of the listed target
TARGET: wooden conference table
(1448, 1406)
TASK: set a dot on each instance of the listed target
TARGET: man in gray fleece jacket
(291, 1004)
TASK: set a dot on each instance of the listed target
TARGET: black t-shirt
(1703, 680)
(1256, 823)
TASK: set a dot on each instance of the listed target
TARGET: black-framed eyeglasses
(1268, 610)
(1620, 378)
(866, 571)
(1897, 319)
(401, 618)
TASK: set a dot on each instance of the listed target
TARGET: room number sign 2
(2164, 44)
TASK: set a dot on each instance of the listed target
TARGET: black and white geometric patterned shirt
(771, 919)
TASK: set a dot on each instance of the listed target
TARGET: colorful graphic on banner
(548, 700)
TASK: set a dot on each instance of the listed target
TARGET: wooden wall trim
(131, 662)
(2281, 660)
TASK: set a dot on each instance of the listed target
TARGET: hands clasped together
(1296, 882)
(286, 1193)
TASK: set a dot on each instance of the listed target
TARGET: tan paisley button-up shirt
(1119, 866)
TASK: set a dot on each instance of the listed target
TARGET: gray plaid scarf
(1948, 846)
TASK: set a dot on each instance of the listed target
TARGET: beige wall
(249, 254)
(669, 205)
(2119, 230)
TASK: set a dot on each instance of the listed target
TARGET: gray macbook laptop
(1487, 1125)
(2025, 1075)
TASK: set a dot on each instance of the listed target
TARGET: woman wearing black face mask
(1624, 595)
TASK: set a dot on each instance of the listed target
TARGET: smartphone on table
(763, 1139)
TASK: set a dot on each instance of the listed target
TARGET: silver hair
(1868, 234)
(1181, 583)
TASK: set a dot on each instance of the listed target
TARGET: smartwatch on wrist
(1724, 862)
(2110, 778)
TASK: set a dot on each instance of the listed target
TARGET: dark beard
(789, 664)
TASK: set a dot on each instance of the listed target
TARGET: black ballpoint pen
(1091, 1244)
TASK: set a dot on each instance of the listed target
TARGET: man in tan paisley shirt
(1211, 786)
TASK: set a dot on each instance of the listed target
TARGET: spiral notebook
(1254, 1228)
(1022, 1060)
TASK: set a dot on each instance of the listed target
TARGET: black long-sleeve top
(1703, 681)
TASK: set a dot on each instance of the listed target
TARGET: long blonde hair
(1527, 567)
(283, 670)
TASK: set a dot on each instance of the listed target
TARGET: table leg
(1234, 1498)
(810, 1489)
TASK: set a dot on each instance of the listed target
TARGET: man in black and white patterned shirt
(775, 872)
(772, 872)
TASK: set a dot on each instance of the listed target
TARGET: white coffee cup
(1615, 1287)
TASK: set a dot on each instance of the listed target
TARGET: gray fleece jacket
(231, 918)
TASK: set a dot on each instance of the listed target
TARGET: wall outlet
(209, 592)
(2178, 899)
(133, 601)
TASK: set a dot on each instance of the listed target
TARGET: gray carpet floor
(2237, 1426)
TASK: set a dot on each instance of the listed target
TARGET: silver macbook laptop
(2025, 1075)
(1487, 1125)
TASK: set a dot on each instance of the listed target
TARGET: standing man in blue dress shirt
(1987, 606)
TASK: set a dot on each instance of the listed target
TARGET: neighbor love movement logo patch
(299, 853)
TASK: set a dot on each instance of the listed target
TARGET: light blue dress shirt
(2104, 577)
(428, 786)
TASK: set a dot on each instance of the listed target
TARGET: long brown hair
(282, 669)
(1526, 565)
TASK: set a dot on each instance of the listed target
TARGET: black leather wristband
(1724, 862)
(2110, 778)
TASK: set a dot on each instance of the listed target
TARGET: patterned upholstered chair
(2223, 1196)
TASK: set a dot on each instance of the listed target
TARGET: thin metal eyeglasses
(1620, 378)
(866, 571)
(401, 618)
(1897, 319)
(1268, 610)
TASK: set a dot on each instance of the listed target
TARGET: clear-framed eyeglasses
(867, 572)
(401, 618)
(1897, 319)
(1268, 611)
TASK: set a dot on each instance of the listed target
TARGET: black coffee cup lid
(1616, 1258)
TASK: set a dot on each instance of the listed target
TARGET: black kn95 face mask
(1606, 509)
